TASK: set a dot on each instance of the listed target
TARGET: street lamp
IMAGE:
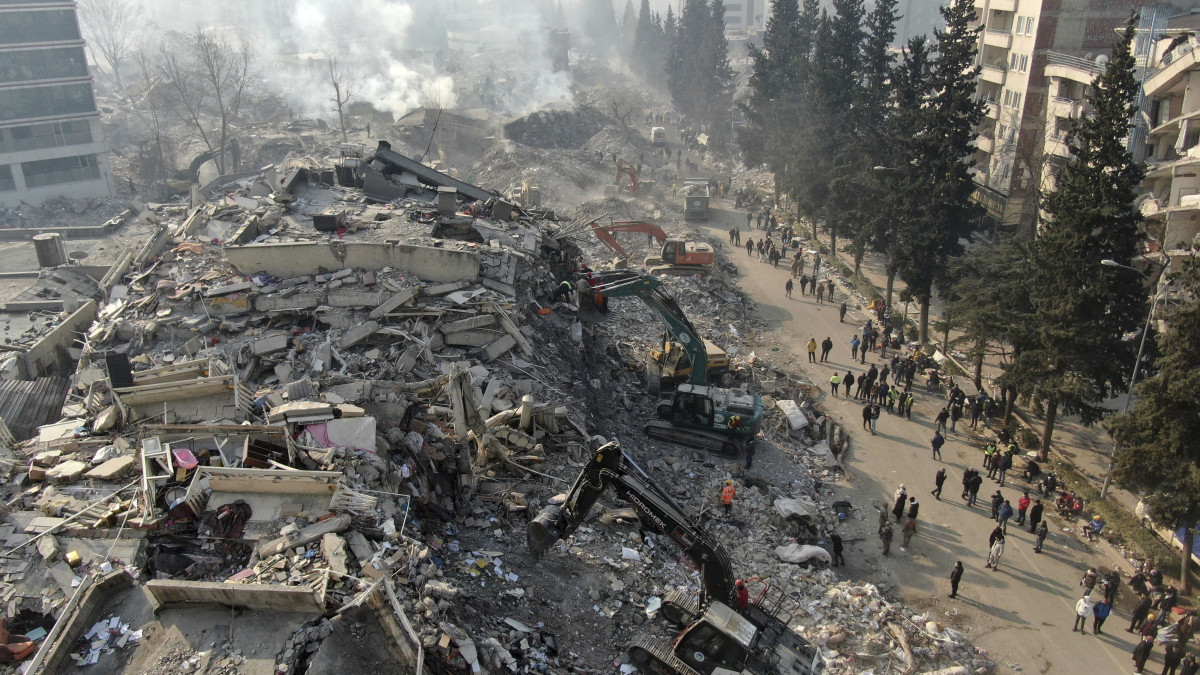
(1137, 364)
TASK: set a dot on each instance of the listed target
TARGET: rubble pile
(565, 129)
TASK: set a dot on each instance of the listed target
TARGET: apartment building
(1036, 58)
(50, 137)
(746, 16)
(1172, 110)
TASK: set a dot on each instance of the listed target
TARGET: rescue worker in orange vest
(727, 496)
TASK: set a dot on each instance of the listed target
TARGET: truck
(658, 137)
(718, 635)
(724, 421)
(695, 198)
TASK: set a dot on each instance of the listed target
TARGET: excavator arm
(605, 232)
(622, 283)
(610, 467)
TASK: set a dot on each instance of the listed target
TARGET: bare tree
(111, 26)
(343, 91)
(209, 79)
(151, 106)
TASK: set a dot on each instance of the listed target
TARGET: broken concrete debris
(337, 402)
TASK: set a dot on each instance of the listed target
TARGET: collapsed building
(315, 407)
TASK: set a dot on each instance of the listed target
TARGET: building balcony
(1072, 67)
(1173, 68)
(1056, 145)
(992, 111)
(992, 73)
(1002, 5)
(994, 37)
(984, 144)
(1061, 106)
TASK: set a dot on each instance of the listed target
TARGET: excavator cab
(692, 409)
(671, 250)
(719, 641)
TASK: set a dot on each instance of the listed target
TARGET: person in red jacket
(1022, 505)
(743, 596)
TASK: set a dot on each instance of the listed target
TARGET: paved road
(1019, 614)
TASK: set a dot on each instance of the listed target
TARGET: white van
(658, 136)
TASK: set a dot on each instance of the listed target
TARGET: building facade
(1036, 58)
(50, 136)
(1172, 112)
(746, 16)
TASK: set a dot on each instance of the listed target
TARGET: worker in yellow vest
(727, 496)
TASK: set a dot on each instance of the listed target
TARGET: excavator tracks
(653, 655)
(680, 608)
(703, 440)
(676, 270)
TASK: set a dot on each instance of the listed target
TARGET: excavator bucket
(544, 530)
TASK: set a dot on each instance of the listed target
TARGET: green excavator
(697, 415)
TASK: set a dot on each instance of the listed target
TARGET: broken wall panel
(289, 259)
(266, 597)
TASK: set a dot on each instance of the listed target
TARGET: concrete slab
(358, 334)
(271, 344)
(466, 324)
(393, 302)
(67, 472)
(113, 468)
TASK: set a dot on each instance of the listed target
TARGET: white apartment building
(1172, 110)
(1036, 58)
(50, 137)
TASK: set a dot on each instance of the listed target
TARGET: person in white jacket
(1083, 609)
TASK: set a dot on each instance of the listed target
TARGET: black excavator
(716, 638)
(697, 415)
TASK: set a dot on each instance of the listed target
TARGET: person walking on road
(787, 288)
(997, 550)
(1042, 531)
(1099, 613)
(938, 479)
(727, 497)
(973, 489)
(866, 415)
(1189, 665)
(1172, 658)
(1035, 515)
(1006, 462)
(826, 347)
(955, 577)
(886, 537)
(854, 343)
(812, 350)
(841, 312)
(941, 419)
(1140, 611)
(874, 419)
(997, 502)
(914, 507)
(750, 246)
(1083, 609)
(937, 442)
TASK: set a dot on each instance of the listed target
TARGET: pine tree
(930, 236)
(1158, 455)
(643, 43)
(717, 77)
(600, 24)
(774, 87)
(629, 25)
(1074, 353)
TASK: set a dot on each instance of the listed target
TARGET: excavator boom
(611, 467)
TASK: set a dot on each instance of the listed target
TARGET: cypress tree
(1073, 351)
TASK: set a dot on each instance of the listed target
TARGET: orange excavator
(676, 257)
(627, 169)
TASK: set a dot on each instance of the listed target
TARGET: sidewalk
(1086, 448)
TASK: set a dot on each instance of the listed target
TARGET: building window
(7, 184)
(52, 135)
(42, 64)
(56, 25)
(60, 170)
(1012, 98)
(61, 99)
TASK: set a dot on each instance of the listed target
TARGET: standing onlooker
(837, 550)
(973, 488)
(847, 383)
(900, 497)
(937, 442)
(835, 381)
(955, 577)
(1140, 612)
(886, 537)
(812, 350)
(1172, 658)
(1189, 665)
(938, 479)
(1022, 506)
(826, 347)
(914, 507)
(909, 529)
(1099, 613)
(997, 550)
(866, 415)
(1006, 462)
(874, 418)
(1083, 609)
(787, 288)
(821, 293)
(1035, 515)
(997, 502)
(1042, 531)
(1005, 512)
(841, 311)
(854, 343)
(1141, 653)
(941, 419)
